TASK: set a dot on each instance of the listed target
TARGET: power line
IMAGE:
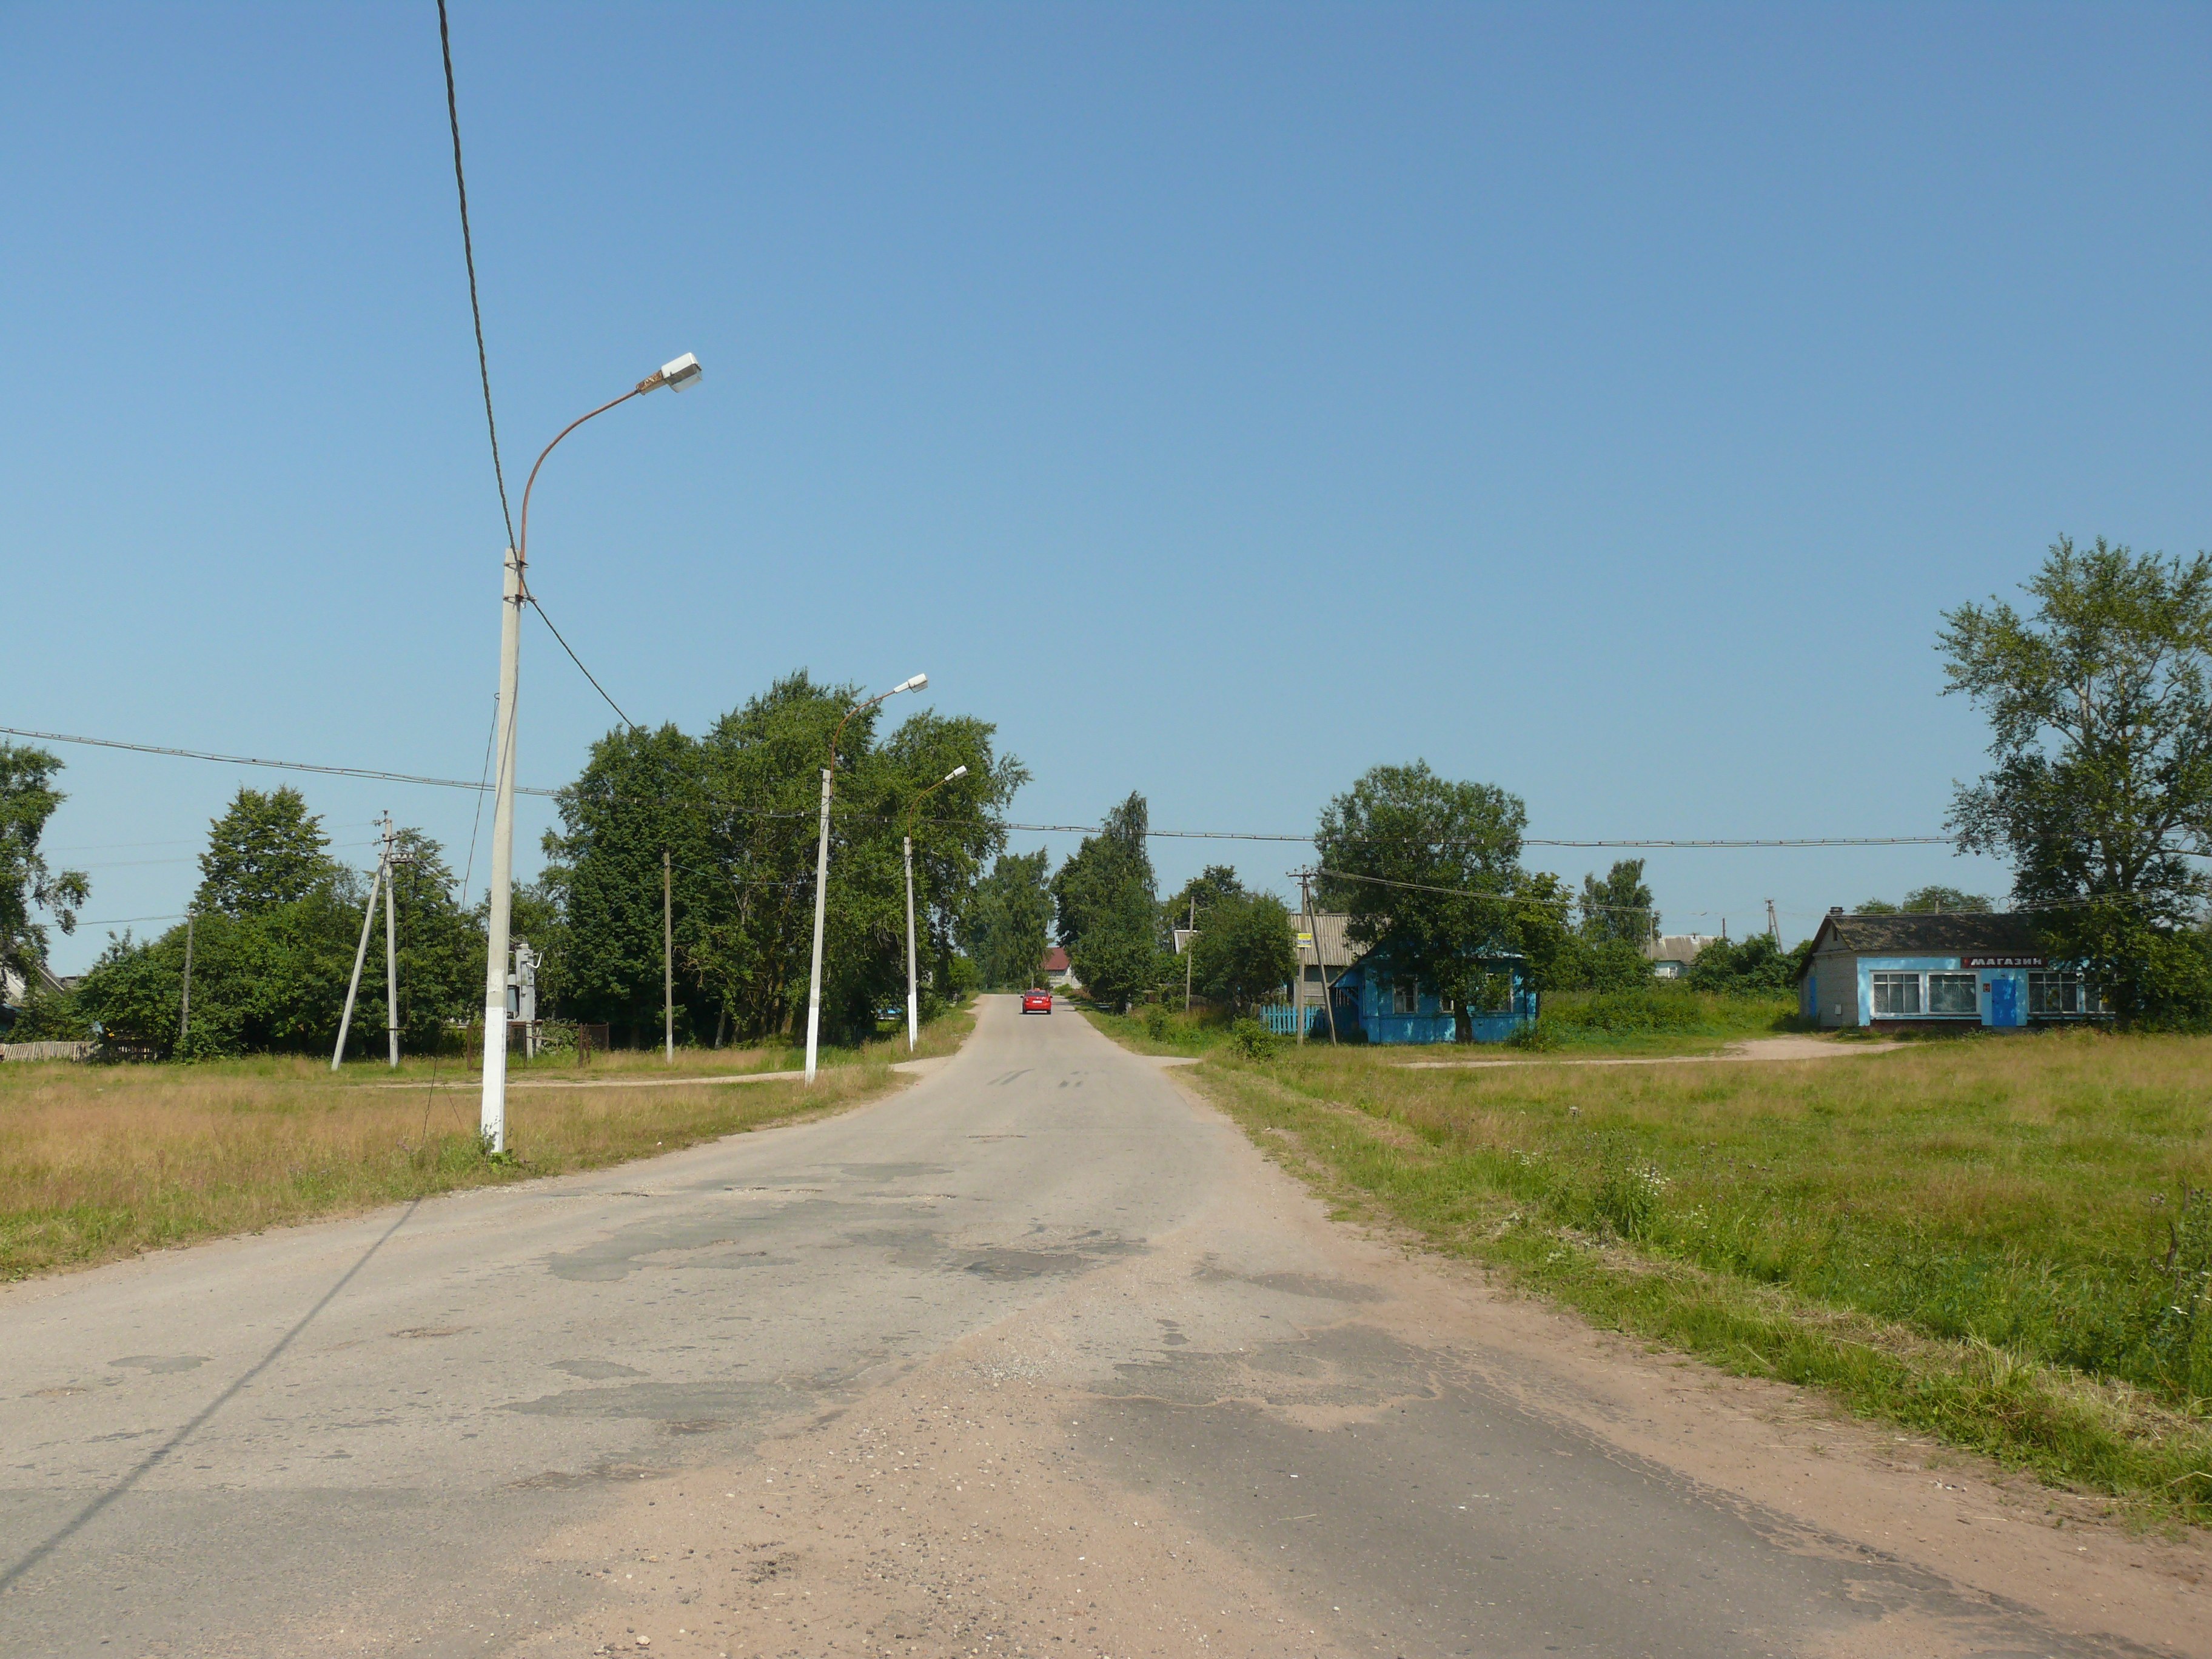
(253, 760)
(1024, 828)
(469, 254)
(579, 661)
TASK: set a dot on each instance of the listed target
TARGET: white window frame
(1969, 983)
(1895, 980)
(1404, 995)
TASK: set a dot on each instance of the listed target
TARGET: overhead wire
(382, 777)
(537, 604)
(469, 255)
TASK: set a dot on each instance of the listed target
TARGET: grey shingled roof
(1337, 951)
(1945, 934)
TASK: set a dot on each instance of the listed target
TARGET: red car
(1036, 1002)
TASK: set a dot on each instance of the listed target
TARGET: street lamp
(492, 1119)
(821, 868)
(913, 1007)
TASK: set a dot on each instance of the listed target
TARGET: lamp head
(956, 772)
(914, 684)
(675, 375)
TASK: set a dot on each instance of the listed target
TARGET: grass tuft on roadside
(2006, 1244)
(101, 1162)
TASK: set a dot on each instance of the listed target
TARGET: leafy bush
(1253, 1040)
(1750, 966)
(1535, 1036)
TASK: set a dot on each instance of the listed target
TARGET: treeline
(727, 820)
(1433, 864)
(736, 812)
(275, 924)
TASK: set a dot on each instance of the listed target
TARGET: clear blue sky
(1602, 402)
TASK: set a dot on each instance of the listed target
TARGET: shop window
(2055, 993)
(1953, 993)
(1896, 994)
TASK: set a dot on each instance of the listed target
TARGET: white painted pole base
(913, 1015)
(491, 1121)
(821, 906)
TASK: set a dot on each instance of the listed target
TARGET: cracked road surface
(1039, 1356)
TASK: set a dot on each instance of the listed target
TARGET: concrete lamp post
(491, 1123)
(913, 1003)
(821, 869)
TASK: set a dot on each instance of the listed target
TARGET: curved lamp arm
(915, 683)
(677, 375)
(956, 772)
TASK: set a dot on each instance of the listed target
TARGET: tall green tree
(1243, 954)
(27, 884)
(2100, 717)
(266, 850)
(1434, 867)
(1934, 899)
(737, 811)
(1619, 907)
(1009, 920)
(272, 977)
(1107, 917)
(1208, 888)
(641, 794)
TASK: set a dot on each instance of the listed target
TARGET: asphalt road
(361, 1436)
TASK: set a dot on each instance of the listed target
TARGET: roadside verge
(98, 1163)
(1947, 1240)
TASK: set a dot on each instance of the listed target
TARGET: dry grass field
(98, 1162)
(2007, 1241)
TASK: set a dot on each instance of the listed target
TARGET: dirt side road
(1040, 1356)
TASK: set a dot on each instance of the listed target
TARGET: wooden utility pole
(1773, 927)
(390, 945)
(185, 1011)
(1190, 951)
(1313, 927)
(667, 956)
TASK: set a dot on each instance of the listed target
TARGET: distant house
(1671, 954)
(1056, 971)
(1938, 969)
(1376, 998)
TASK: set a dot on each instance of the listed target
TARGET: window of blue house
(1405, 996)
(1896, 993)
(1951, 993)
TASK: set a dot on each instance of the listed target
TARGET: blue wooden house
(1376, 1000)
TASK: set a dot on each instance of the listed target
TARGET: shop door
(2004, 1000)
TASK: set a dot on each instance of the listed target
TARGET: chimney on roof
(1835, 910)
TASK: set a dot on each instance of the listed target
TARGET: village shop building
(1938, 969)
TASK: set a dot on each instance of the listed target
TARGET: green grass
(99, 1161)
(1658, 1020)
(1993, 1242)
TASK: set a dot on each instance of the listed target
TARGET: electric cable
(468, 254)
(539, 608)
